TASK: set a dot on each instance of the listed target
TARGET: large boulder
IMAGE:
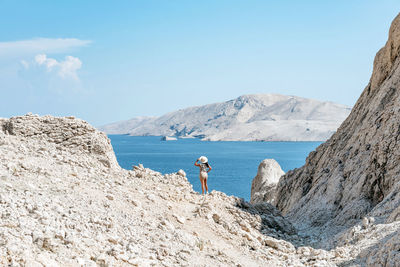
(356, 172)
(264, 184)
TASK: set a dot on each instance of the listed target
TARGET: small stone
(371, 220)
(113, 240)
(180, 219)
(151, 197)
(365, 222)
(216, 218)
(181, 173)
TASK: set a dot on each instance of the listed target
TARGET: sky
(106, 61)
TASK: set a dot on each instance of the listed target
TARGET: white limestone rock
(355, 174)
(264, 184)
(181, 173)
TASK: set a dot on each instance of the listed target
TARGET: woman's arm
(196, 164)
(209, 168)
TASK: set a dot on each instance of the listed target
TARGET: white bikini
(203, 170)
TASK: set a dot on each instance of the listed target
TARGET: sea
(234, 163)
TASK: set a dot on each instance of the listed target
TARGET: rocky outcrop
(263, 187)
(356, 172)
(65, 133)
(287, 118)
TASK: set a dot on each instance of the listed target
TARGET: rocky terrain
(355, 176)
(263, 117)
(64, 201)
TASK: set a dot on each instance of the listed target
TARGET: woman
(203, 165)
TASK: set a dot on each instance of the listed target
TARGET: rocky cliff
(356, 173)
(246, 118)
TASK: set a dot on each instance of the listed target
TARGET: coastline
(190, 137)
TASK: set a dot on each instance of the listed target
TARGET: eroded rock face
(264, 184)
(357, 171)
(387, 254)
(66, 133)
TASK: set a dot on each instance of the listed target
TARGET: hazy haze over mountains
(267, 117)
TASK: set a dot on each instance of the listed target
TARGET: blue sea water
(234, 164)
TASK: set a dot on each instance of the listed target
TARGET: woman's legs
(202, 184)
(203, 180)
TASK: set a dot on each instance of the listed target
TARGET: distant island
(258, 117)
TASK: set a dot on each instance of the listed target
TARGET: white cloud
(66, 68)
(32, 63)
(39, 45)
(25, 64)
(40, 59)
(69, 67)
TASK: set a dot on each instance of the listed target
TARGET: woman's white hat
(203, 159)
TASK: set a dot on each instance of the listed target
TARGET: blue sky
(105, 61)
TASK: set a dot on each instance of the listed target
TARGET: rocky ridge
(246, 118)
(65, 201)
(355, 176)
